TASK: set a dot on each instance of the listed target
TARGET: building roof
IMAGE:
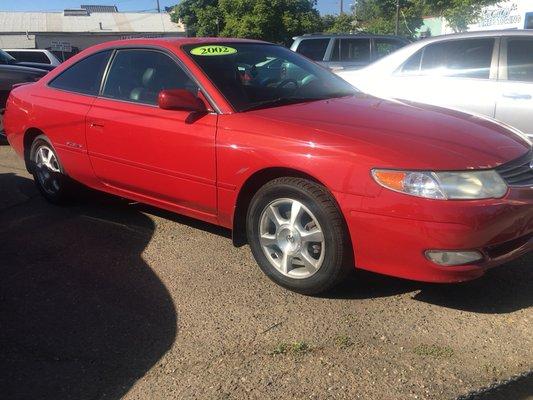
(95, 22)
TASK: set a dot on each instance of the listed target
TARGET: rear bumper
(501, 230)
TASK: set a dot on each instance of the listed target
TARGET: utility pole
(342, 8)
(158, 7)
(397, 17)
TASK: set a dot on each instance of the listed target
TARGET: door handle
(96, 125)
(517, 96)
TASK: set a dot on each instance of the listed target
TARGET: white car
(41, 56)
(488, 73)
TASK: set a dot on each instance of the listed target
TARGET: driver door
(137, 148)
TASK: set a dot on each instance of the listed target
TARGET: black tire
(58, 190)
(337, 261)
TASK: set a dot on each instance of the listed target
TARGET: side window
(469, 58)
(351, 50)
(30, 56)
(384, 47)
(315, 49)
(520, 60)
(412, 65)
(84, 76)
(528, 23)
(139, 76)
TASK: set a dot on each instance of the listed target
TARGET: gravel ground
(105, 299)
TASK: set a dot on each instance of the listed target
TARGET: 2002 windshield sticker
(213, 51)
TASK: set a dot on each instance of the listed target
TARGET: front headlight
(462, 185)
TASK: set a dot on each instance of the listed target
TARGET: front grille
(518, 172)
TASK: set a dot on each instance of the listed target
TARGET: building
(67, 32)
(506, 14)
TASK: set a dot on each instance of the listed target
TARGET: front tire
(298, 236)
(47, 171)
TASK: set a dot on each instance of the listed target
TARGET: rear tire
(298, 235)
(47, 171)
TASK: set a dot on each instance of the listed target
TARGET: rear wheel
(298, 236)
(47, 171)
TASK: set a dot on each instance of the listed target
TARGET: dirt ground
(105, 300)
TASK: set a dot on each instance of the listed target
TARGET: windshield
(254, 75)
(5, 58)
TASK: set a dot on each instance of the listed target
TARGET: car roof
(346, 35)
(479, 34)
(179, 41)
(21, 49)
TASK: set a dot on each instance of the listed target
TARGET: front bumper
(390, 233)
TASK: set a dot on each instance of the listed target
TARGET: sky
(324, 6)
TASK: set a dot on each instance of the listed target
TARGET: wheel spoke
(268, 239)
(296, 209)
(272, 213)
(286, 262)
(40, 156)
(49, 157)
(315, 235)
(310, 264)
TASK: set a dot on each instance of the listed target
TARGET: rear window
(30, 56)
(84, 76)
(315, 49)
(384, 47)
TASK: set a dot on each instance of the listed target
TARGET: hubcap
(291, 238)
(47, 169)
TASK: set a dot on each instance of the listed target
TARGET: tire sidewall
(333, 249)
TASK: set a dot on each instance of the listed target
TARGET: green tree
(272, 20)
(459, 13)
(343, 23)
(379, 16)
(198, 16)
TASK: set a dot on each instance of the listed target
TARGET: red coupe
(315, 176)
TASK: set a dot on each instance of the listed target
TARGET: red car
(316, 177)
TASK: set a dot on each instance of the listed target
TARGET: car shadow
(503, 289)
(82, 315)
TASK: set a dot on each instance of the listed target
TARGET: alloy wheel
(291, 238)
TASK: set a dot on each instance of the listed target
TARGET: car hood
(405, 134)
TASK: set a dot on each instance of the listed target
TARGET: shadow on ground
(504, 289)
(82, 315)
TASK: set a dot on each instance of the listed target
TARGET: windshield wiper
(280, 101)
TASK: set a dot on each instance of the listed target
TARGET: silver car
(488, 73)
(346, 51)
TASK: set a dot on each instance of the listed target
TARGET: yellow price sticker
(213, 50)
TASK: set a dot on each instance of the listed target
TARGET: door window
(469, 58)
(357, 50)
(139, 76)
(315, 49)
(84, 76)
(520, 60)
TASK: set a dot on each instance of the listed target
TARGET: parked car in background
(315, 176)
(7, 59)
(488, 73)
(11, 75)
(350, 51)
(40, 56)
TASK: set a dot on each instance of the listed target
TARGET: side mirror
(180, 99)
